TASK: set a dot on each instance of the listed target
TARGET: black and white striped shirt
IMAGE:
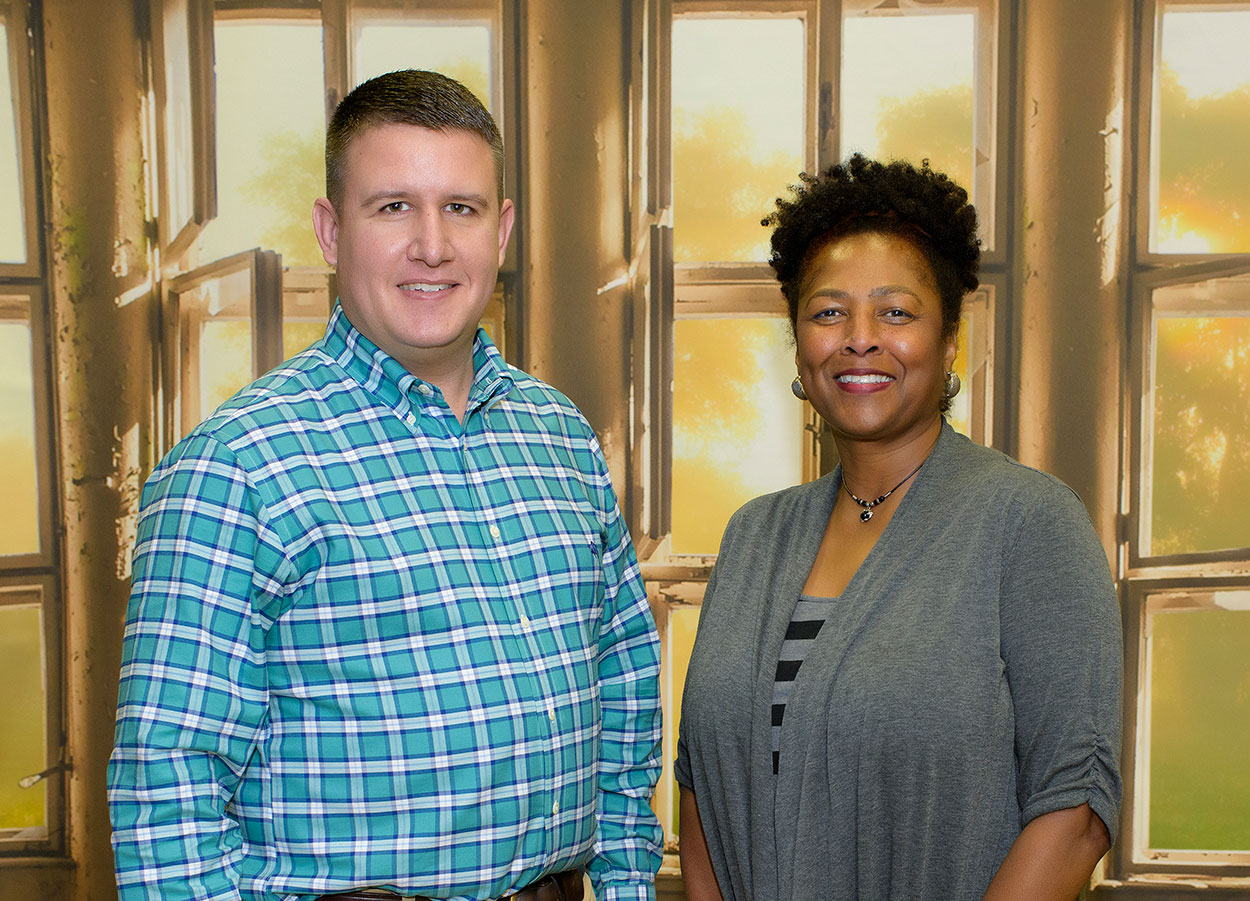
(809, 615)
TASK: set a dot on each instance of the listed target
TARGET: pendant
(865, 516)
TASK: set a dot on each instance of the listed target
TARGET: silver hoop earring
(952, 383)
(797, 388)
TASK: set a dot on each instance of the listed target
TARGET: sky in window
(1207, 50)
(19, 529)
(270, 138)
(738, 127)
(459, 51)
(1202, 191)
(12, 241)
(734, 62)
(892, 58)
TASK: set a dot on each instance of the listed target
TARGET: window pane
(919, 105)
(1201, 196)
(459, 50)
(23, 749)
(19, 527)
(737, 429)
(683, 622)
(971, 410)
(1199, 720)
(738, 131)
(225, 360)
(1200, 434)
(12, 210)
(304, 317)
(270, 139)
(217, 343)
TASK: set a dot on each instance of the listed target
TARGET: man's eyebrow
(390, 195)
(478, 200)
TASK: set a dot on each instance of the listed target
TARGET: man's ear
(326, 227)
(507, 217)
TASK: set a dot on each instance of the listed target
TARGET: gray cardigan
(969, 682)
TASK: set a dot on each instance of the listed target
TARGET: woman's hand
(696, 863)
(1050, 859)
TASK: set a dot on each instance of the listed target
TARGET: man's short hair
(406, 97)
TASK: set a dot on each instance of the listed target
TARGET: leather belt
(566, 886)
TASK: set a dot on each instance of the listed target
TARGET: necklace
(868, 505)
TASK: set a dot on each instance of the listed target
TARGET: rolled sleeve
(629, 839)
(1061, 642)
(192, 699)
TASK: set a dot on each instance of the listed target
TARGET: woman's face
(870, 349)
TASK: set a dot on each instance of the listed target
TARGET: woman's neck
(871, 468)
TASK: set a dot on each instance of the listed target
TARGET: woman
(906, 680)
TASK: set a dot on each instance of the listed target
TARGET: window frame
(196, 83)
(1149, 37)
(985, 423)
(467, 12)
(264, 268)
(1141, 355)
(34, 312)
(55, 763)
(181, 252)
(991, 111)
(14, 15)
(1125, 872)
(705, 289)
(1214, 871)
(26, 284)
(664, 291)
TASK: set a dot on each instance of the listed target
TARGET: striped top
(809, 615)
(369, 644)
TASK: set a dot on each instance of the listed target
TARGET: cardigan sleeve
(1062, 647)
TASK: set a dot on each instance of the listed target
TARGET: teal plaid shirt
(368, 645)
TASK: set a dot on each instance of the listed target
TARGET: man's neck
(453, 375)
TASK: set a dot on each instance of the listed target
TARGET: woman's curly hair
(861, 195)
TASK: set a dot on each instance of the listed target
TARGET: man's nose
(429, 242)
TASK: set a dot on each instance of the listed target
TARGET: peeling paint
(129, 481)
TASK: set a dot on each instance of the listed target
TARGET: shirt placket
(540, 724)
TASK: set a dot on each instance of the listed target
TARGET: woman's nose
(861, 333)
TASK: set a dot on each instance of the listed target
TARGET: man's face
(418, 240)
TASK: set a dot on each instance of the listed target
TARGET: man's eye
(396, 206)
(459, 208)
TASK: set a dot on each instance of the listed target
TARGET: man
(386, 631)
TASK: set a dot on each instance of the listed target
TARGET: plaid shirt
(368, 645)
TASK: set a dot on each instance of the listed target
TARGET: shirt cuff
(626, 891)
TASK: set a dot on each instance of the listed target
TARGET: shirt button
(525, 622)
(494, 531)
(551, 714)
(410, 419)
(555, 808)
(425, 389)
